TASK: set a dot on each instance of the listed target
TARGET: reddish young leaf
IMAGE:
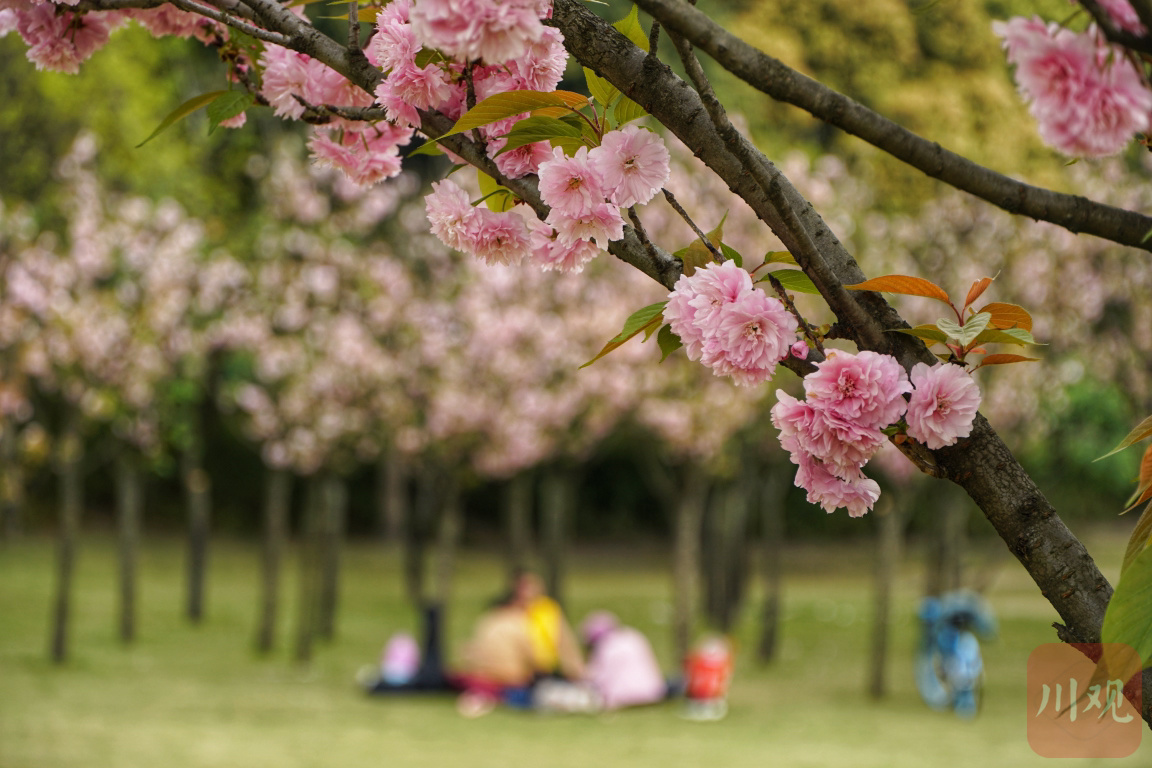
(1001, 359)
(1008, 316)
(1143, 490)
(1141, 535)
(903, 284)
(977, 288)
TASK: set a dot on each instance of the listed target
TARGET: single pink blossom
(552, 253)
(696, 299)
(633, 165)
(943, 404)
(855, 492)
(1085, 94)
(602, 223)
(420, 87)
(450, 213)
(367, 156)
(498, 238)
(393, 45)
(495, 31)
(751, 336)
(570, 185)
(866, 388)
(521, 161)
(799, 350)
(1124, 16)
(808, 431)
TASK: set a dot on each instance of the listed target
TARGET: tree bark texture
(129, 510)
(71, 500)
(277, 503)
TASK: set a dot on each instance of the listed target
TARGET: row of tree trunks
(71, 483)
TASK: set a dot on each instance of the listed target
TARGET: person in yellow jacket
(555, 650)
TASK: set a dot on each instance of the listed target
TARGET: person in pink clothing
(621, 667)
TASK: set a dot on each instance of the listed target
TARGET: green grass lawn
(198, 696)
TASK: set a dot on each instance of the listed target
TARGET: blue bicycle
(949, 666)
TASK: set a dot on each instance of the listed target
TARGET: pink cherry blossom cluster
(585, 192)
(57, 40)
(1086, 95)
(729, 325)
(850, 400)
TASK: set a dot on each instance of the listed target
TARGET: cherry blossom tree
(562, 175)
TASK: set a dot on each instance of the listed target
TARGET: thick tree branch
(1075, 213)
(982, 464)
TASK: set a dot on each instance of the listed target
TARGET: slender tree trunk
(277, 502)
(333, 516)
(11, 485)
(557, 494)
(946, 546)
(417, 531)
(71, 503)
(198, 496)
(771, 502)
(724, 554)
(451, 526)
(518, 521)
(307, 557)
(689, 512)
(890, 530)
(129, 508)
(391, 494)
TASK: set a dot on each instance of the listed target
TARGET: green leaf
(226, 107)
(181, 112)
(629, 26)
(511, 103)
(1017, 336)
(1143, 490)
(601, 90)
(488, 191)
(533, 129)
(967, 333)
(1128, 619)
(669, 342)
(569, 145)
(793, 280)
(732, 254)
(1142, 430)
(429, 147)
(640, 320)
(780, 257)
(427, 56)
(696, 254)
(1141, 537)
(627, 110)
(928, 332)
